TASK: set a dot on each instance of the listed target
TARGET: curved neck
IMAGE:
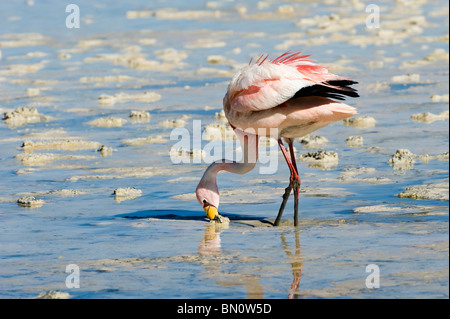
(249, 145)
(207, 188)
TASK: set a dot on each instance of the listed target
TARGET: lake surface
(68, 143)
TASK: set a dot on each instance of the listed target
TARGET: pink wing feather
(269, 83)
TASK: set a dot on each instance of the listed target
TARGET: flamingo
(289, 94)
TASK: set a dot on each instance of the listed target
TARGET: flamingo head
(208, 196)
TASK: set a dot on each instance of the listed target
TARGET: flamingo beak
(211, 211)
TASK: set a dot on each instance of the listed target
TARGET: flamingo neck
(249, 145)
(232, 167)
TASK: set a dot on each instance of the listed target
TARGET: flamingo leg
(286, 194)
(294, 183)
(297, 182)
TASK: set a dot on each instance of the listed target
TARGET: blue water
(159, 245)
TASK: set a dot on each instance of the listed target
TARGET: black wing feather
(339, 90)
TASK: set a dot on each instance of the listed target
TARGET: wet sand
(87, 176)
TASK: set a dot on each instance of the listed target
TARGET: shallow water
(159, 244)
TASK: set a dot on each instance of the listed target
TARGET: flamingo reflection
(295, 259)
(210, 247)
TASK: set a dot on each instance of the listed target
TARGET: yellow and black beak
(211, 211)
(213, 214)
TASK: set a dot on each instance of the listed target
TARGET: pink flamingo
(290, 94)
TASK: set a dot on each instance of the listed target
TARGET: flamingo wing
(269, 83)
